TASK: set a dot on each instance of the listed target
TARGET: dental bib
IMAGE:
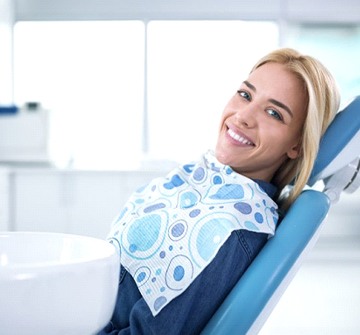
(170, 230)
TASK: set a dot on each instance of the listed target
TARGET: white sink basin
(56, 283)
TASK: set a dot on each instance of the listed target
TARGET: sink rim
(106, 252)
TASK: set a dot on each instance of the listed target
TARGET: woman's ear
(294, 151)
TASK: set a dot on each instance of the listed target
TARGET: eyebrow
(274, 101)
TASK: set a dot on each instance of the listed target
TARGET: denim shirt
(190, 312)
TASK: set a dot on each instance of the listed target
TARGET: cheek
(295, 134)
(230, 108)
(278, 138)
(223, 118)
(221, 123)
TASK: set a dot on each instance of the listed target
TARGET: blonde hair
(323, 101)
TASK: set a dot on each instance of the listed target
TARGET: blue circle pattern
(171, 230)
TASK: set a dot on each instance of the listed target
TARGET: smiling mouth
(239, 138)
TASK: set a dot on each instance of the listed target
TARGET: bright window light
(90, 75)
(337, 46)
(194, 67)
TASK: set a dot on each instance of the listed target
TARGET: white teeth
(239, 138)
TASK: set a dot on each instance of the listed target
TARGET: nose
(246, 116)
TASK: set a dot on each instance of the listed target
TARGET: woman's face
(262, 123)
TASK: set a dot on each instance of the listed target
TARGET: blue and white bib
(170, 230)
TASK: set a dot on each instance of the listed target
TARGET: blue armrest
(249, 297)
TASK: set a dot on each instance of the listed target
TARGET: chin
(222, 157)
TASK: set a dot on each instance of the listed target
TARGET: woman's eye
(275, 114)
(244, 94)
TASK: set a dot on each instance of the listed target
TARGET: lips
(239, 138)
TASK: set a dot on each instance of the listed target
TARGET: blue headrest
(342, 130)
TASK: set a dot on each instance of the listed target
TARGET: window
(194, 67)
(91, 77)
(337, 46)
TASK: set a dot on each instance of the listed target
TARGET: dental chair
(251, 301)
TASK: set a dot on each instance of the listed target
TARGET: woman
(269, 136)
